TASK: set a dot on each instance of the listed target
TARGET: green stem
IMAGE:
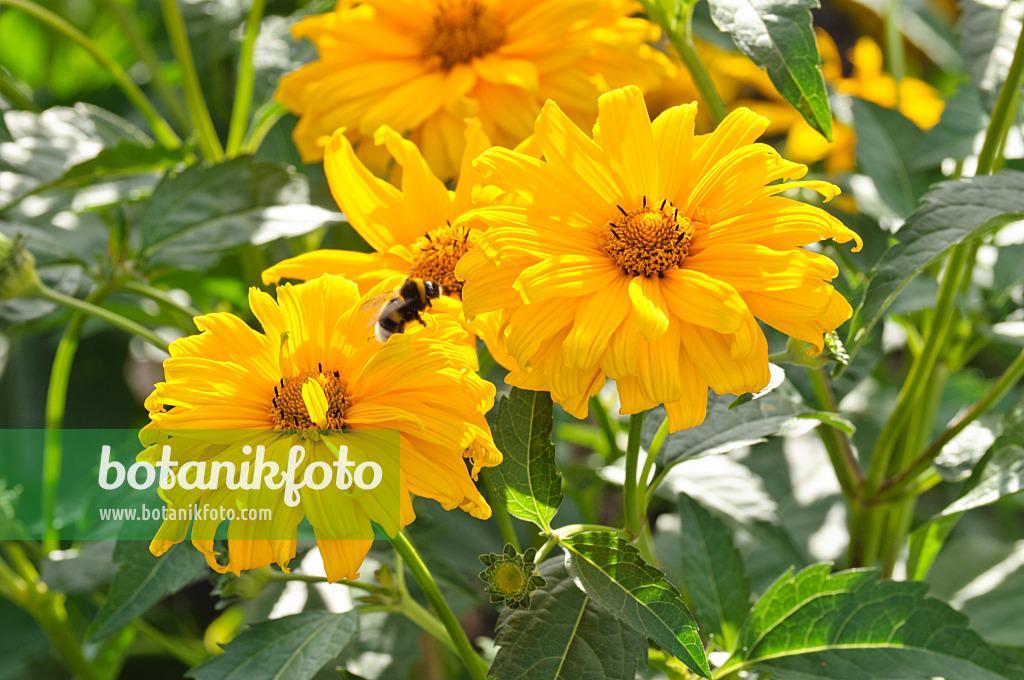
(428, 623)
(164, 134)
(266, 118)
(110, 317)
(161, 297)
(895, 487)
(197, 110)
(608, 427)
(56, 399)
(840, 451)
(476, 666)
(177, 648)
(508, 532)
(47, 608)
(244, 85)
(149, 57)
(682, 40)
(1002, 113)
(631, 496)
(894, 44)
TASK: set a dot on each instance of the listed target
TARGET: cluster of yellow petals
(316, 367)
(666, 324)
(423, 66)
(411, 229)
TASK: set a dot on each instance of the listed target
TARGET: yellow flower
(410, 230)
(422, 66)
(315, 371)
(645, 254)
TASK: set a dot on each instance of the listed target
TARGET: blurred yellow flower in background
(918, 101)
(314, 370)
(423, 66)
(645, 254)
(410, 229)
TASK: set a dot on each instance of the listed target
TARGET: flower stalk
(474, 663)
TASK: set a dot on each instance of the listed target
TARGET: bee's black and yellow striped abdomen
(411, 298)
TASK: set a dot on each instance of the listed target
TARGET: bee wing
(376, 303)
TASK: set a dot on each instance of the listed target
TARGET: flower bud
(18, 276)
(511, 577)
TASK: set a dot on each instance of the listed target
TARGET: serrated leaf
(565, 635)
(142, 580)
(887, 142)
(778, 36)
(192, 218)
(953, 212)
(612, 572)
(527, 482)
(726, 429)
(293, 647)
(712, 572)
(852, 626)
(988, 35)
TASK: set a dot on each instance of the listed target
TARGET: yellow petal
(650, 307)
(698, 298)
(626, 136)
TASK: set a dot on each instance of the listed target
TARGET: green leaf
(143, 580)
(988, 35)
(925, 542)
(565, 635)
(963, 118)
(612, 573)
(192, 218)
(726, 429)
(527, 482)
(292, 647)
(778, 36)
(853, 626)
(712, 572)
(887, 143)
(953, 212)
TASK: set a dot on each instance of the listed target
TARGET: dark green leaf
(778, 36)
(143, 580)
(953, 137)
(953, 212)
(712, 572)
(565, 635)
(853, 626)
(988, 35)
(612, 573)
(527, 482)
(887, 143)
(381, 650)
(293, 647)
(192, 218)
(726, 429)
(81, 571)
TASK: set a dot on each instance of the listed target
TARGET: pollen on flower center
(436, 253)
(324, 396)
(462, 30)
(648, 241)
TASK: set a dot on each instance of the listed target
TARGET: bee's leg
(420, 319)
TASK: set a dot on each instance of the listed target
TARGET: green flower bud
(18, 276)
(511, 577)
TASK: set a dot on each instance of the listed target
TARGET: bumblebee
(402, 306)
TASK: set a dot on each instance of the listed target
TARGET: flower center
(436, 253)
(648, 241)
(462, 30)
(310, 400)
(509, 578)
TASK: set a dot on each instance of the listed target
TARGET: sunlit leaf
(612, 573)
(565, 635)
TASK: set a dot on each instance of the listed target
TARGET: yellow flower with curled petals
(422, 66)
(647, 254)
(413, 230)
(315, 372)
